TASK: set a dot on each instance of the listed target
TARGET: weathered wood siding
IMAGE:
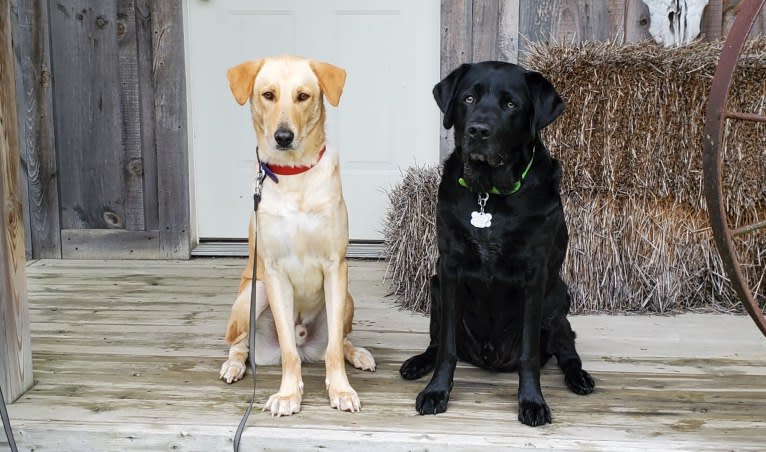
(106, 175)
(169, 79)
(728, 9)
(15, 346)
(35, 109)
(476, 30)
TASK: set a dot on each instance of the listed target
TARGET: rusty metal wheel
(715, 123)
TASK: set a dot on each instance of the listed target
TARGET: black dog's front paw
(579, 382)
(417, 366)
(432, 400)
(534, 413)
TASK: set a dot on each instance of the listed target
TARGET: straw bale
(650, 255)
(410, 236)
(635, 117)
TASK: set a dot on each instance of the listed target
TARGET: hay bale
(410, 236)
(630, 143)
(634, 122)
(647, 255)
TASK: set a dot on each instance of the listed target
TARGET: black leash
(251, 329)
(7, 423)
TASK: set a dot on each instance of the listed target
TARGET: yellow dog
(304, 309)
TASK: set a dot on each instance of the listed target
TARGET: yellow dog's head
(286, 100)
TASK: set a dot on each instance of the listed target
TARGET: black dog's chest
(492, 279)
(491, 245)
(497, 268)
(493, 312)
(485, 244)
(490, 332)
(488, 251)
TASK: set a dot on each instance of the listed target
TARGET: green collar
(516, 186)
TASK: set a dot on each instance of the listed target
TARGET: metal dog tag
(481, 219)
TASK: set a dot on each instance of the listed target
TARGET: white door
(386, 121)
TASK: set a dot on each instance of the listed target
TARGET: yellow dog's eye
(469, 100)
(303, 97)
(268, 95)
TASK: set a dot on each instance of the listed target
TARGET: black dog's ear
(547, 103)
(444, 92)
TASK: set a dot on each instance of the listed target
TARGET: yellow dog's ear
(331, 80)
(241, 79)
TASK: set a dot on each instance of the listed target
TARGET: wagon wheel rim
(715, 123)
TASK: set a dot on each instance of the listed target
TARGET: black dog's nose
(284, 137)
(479, 131)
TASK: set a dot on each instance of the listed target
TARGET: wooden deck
(126, 357)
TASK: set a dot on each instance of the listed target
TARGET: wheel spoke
(745, 116)
(748, 229)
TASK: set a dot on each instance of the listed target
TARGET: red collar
(293, 170)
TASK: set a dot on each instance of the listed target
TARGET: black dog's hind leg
(421, 364)
(562, 345)
(433, 399)
(559, 340)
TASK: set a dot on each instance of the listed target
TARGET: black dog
(497, 300)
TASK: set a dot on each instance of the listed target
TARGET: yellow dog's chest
(298, 236)
(286, 231)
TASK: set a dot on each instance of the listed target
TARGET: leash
(263, 171)
(7, 423)
(251, 329)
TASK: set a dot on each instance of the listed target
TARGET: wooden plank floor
(126, 357)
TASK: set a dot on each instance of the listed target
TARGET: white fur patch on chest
(289, 222)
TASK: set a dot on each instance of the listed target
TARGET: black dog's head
(497, 110)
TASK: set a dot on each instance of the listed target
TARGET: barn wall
(476, 30)
(102, 107)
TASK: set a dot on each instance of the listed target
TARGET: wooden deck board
(126, 357)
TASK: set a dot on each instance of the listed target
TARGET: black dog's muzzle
(480, 144)
(493, 159)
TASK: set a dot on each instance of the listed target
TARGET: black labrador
(497, 299)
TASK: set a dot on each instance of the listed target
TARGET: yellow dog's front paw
(344, 399)
(232, 371)
(283, 404)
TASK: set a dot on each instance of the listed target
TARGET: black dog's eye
(469, 99)
(510, 105)
(268, 95)
(302, 97)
